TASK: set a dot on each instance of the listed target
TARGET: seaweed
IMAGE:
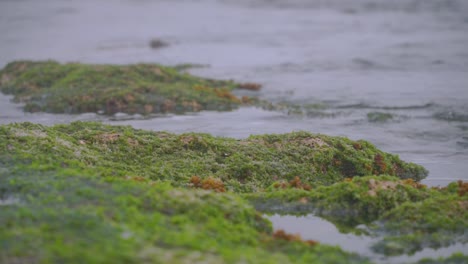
(282, 235)
(404, 215)
(254, 164)
(118, 182)
(72, 88)
(349, 203)
(54, 210)
(438, 221)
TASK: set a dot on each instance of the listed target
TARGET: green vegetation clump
(49, 86)
(439, 221)
(247, 165)
(405, 215)
(457, 258)
(67, 216)
(348, 203)
(379, 117)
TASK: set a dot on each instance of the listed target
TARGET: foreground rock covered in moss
(93, 193)
(49, 86)
(67, 216)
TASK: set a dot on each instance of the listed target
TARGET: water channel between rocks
(311, 227)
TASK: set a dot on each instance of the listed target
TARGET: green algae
(314, 110)
(247, 165)
(379, 117)
(360, 200)
(457, 258)
(49, 86)
(440, 221)
(66, 216)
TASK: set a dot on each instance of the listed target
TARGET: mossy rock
(66, 216)
(436, 222)
(246, 165)
(49, 86)
(58, 206)
(351, 202)
(405, 215)
(88, 192)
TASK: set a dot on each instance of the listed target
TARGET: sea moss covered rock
(88, 192)
(49, 86)
(247, 165)
(349, 203)
(65, 216)
(440, 221)
(59, 206)
(404, 215)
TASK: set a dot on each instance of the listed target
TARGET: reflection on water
(315, 228)
(405, 58)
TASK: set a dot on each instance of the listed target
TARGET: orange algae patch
(187, 140)
(357, 146)
(250, 86)
(282, 235)
(462, 188)
(380, 163)
(207, 184)
(202, 88)
(195, 181)
(223, 93)
(294, 183)
(213, 184)
(298, 184)
(136, 178)
(414, 184)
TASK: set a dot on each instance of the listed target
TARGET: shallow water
(408, 58)
(315, 228)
